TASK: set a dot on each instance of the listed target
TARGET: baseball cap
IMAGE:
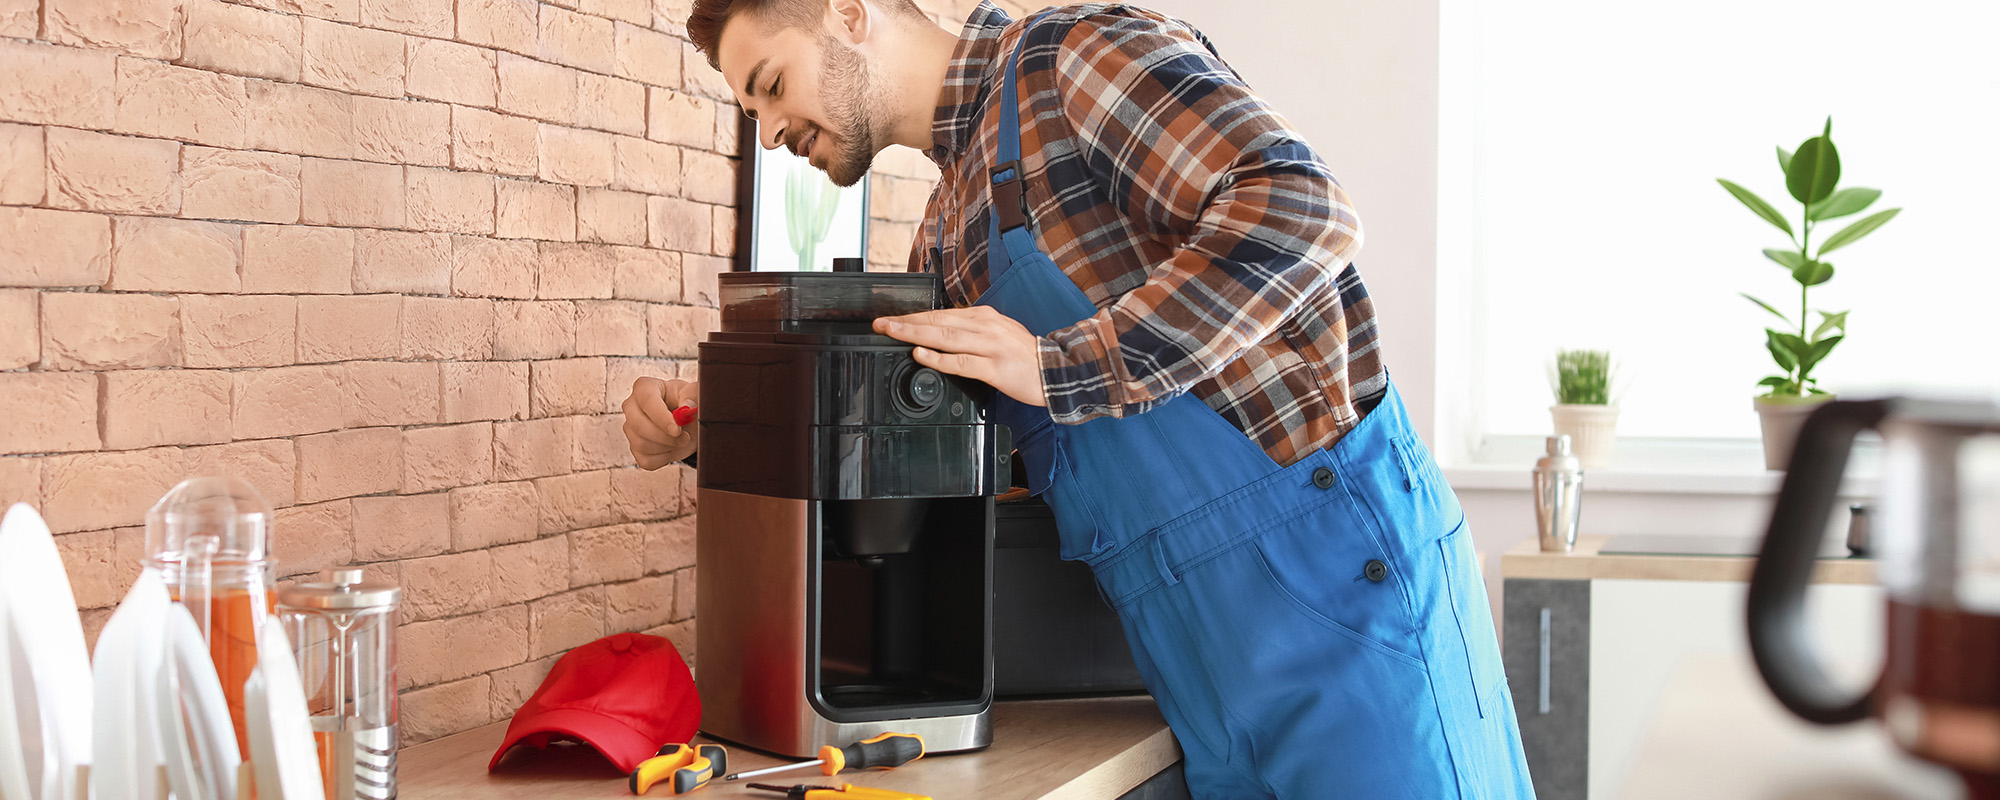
(624, 695)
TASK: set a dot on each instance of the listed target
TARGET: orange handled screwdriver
(888, 751)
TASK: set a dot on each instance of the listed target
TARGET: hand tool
(888, 751)
(846, 791)
(690, 768)
(684, 415)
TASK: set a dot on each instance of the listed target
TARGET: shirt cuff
(1078, 377)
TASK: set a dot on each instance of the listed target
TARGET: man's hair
(706, 20)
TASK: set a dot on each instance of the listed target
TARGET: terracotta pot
(1780, 420)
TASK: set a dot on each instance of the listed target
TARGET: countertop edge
(1123, 772)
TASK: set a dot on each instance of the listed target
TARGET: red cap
(625, 695)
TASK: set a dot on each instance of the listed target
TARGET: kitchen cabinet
(1592, 642)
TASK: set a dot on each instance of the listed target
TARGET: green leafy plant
(1811, 175)
(1582, 377)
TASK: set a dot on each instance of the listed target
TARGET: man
(1155, 272)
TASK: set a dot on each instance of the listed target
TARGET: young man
(1155, 272)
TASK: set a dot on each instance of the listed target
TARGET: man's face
(809, 91)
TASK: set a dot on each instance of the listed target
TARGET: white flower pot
(1592, 429)
(1780, 421)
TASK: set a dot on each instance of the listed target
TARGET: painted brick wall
(396, 262)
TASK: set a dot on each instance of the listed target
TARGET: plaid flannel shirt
(1214, 242)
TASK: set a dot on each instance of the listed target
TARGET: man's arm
(1178, 142)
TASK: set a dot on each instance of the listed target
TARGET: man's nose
(772, 134)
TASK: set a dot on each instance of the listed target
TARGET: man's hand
(978, 343)
(649, 421)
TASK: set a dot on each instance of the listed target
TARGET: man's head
(802, 68)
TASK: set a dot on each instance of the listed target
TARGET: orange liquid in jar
(235, 619)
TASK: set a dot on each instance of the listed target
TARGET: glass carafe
(1937, 536)
(209, 538)
(344, 633)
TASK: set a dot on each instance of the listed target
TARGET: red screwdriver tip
(684, 415)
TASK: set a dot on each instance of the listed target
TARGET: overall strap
(1010, 201)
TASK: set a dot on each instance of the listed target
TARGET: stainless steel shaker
(344, 633)
(1558, 496)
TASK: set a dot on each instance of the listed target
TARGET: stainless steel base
(751, 635)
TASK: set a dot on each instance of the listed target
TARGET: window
(1580, 146)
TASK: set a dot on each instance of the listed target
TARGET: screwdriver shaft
(768, 770)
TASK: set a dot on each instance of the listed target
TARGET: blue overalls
(1310, 631)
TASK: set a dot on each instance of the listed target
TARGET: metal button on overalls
(1323, 478)
(1376, 570)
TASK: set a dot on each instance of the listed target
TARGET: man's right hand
(649, 421)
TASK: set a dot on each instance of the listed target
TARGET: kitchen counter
(1591, 641)
(1078, 748)
(1526, 560)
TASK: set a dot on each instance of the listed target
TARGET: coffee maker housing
(846, 523)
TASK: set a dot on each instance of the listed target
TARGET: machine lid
(346, 592)
(822, 301)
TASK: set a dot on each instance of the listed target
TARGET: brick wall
(397, 263)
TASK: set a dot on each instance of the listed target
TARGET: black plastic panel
(839, 418)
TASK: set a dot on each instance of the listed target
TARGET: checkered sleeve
(1176, 139)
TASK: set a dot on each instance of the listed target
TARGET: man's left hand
(978, 343)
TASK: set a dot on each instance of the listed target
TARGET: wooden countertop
(1080, 748)
(1526, 560)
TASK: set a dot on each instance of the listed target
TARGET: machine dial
(920, 389)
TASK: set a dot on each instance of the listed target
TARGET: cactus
(810, 200)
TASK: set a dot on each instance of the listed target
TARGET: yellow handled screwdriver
(845, 791)
(888, 751)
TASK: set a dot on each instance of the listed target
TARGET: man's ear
(850, 21)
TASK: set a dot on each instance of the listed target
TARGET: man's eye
(774, 87)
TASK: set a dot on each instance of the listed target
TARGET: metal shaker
(1558, 496)
(1859, 541)
(344, 633)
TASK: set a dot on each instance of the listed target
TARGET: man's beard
(846, 93)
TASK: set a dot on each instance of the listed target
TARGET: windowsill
(1656, 466)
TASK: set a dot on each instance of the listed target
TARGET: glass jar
(209, 539)
(344, 633)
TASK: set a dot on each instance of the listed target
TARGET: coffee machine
(1938, 550)
(845, 533)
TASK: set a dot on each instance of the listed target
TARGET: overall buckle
(1010, 196)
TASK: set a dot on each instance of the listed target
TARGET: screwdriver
(888, 751)
(846, 791)
(684, 415)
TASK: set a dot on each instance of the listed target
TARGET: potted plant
(1811, 176)
(1583, 409)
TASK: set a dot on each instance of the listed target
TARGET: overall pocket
(1474, 620)
(1076, 517)
(1328, 567)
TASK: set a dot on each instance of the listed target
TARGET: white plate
(13, 766)
(198, 741)
(126, 760)
(49, 635)
(114, 753)
(281, 739)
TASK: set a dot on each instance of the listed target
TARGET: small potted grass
(1583, 409)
